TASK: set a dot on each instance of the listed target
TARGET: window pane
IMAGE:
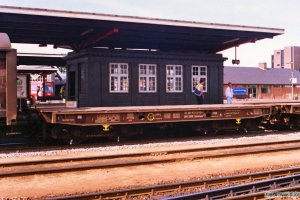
(114, 83)
(114, 69)
(152, 69)
(143, 84)
(204, 86)
(203, 71)
(170, 82)
(178, 83)
(195, 71)
(124, 84)
(152, 84)
(123, 69)
(143, 69)
(178, 70)
(195, 82)
(170, 70)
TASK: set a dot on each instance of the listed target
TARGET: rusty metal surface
(157, 116)
(88, 116)
(151, 114)
(65, 110)
(8, 87)
(295, 109)
(11, 89)
(2, 84)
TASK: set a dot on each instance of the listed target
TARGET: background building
(288, 58)
(44, 81)
(264, 83)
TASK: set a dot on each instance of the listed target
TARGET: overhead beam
(40, 60)
(92, 41)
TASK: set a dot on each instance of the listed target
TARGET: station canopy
(80, 30)
(41, 70)
(41, 59)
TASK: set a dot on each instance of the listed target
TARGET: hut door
(71, 86)
(252, 91)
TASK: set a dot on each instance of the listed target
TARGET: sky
(260, 13)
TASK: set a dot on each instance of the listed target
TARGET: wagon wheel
(75, 137)
(61, 133)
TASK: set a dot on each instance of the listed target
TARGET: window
(199, 73)
(147, 78)
(265, 89)
(118, 75)
(174, 78)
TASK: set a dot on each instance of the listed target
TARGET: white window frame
(119, 75)
(176, 77)
(196, 77)
(148, 76)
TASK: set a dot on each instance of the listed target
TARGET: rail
(160, 191)
(9, 169)
(241, 190)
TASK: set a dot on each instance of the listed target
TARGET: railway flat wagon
(72, 122)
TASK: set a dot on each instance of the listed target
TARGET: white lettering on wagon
(167, 116)
(66, 119)
(232, 113)
(105, 118)
(257, 111)
(176, 115)
(193, 115)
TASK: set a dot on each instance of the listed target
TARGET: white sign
(21, 86)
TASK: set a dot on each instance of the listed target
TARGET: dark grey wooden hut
(89, 77)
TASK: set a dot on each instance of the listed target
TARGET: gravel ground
(157, 146)
(39, 186)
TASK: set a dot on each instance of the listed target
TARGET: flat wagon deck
(62, 121)
(87, 116)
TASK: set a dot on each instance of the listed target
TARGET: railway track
(70, 164)
(210, 188)
(23, 147)
(261, 189)
(10, 147)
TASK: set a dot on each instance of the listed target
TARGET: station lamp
(235, 61)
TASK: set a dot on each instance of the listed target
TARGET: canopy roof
(78, 30)
(24, 69)
(41, 59)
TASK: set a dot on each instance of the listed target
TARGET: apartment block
(288, 58)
